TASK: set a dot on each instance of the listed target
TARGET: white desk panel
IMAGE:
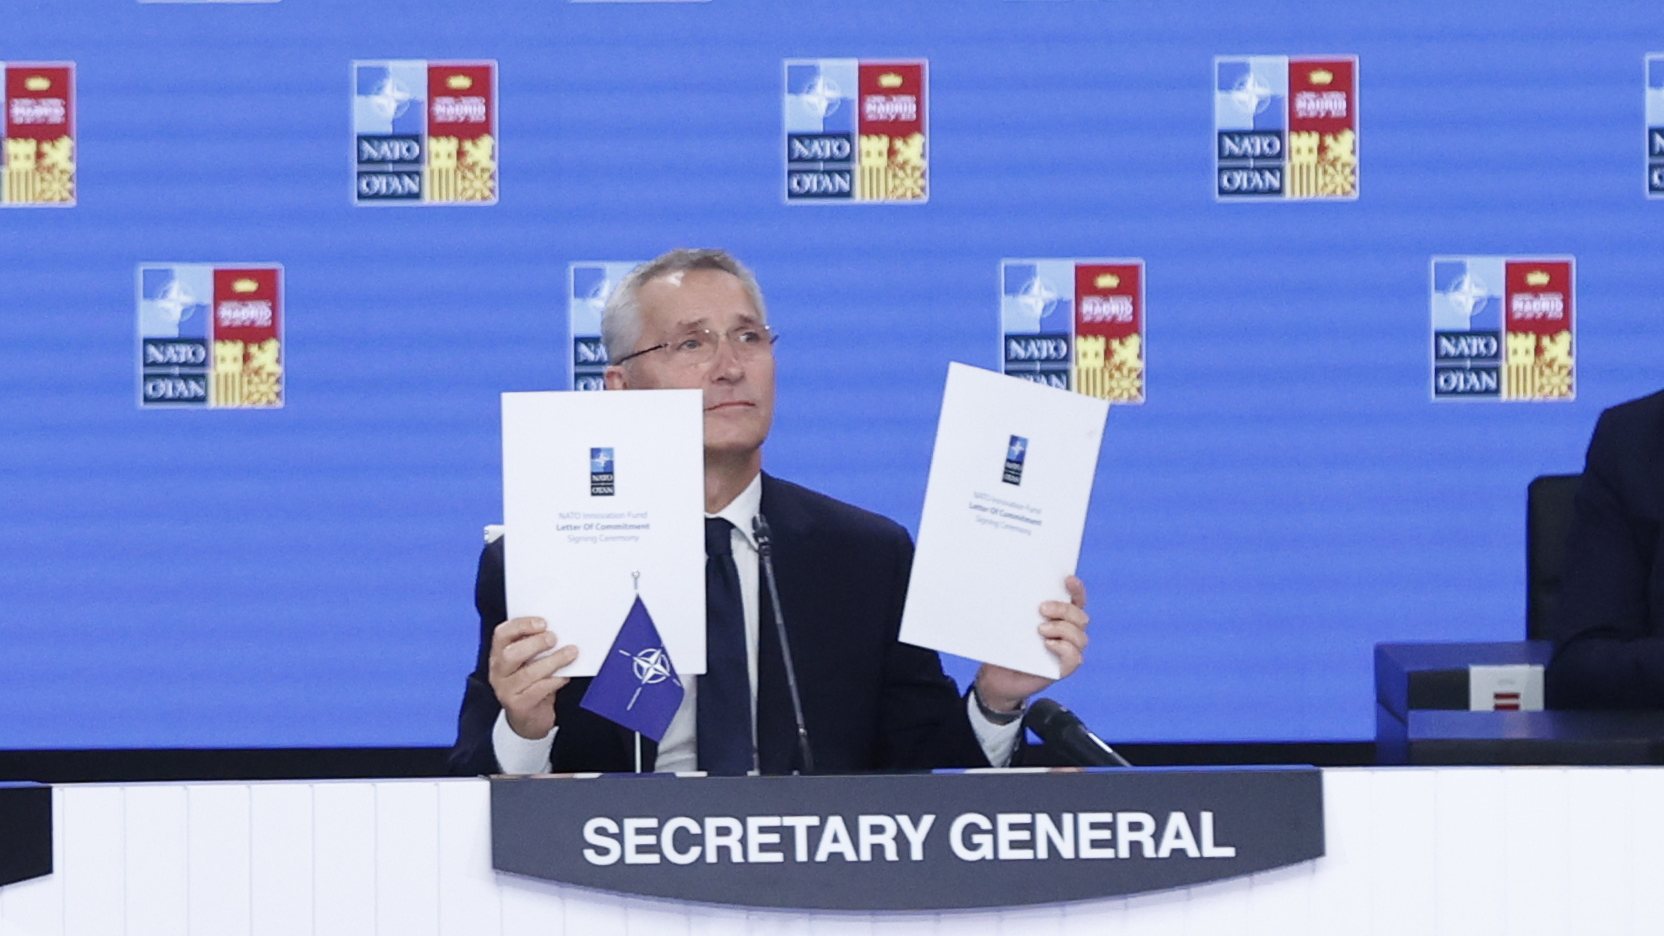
(407, 858)
(469, 899)
(344, 858)
(1403, 879)
(280, 862)
(1469, 874)
(94, 860)
(221, 853)
(1506, 851)
(1632, 847)
(1343, 879)
(156, 838)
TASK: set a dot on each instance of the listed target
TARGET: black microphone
(1069, 736)
(765, 550)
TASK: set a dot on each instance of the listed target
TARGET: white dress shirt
(679, 749)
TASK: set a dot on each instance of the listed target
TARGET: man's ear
(615, 379)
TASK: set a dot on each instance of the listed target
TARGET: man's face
(738, 388)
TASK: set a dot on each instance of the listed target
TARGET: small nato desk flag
(636, 686)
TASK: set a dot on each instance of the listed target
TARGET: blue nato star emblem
(175, 301)
(600, 460)
(651, 666)
(596, 301)
(1251, 94)
(391, 99)
(822, 95)
(1015, 452)
(637, 685)
(1038, 298)
(1468, 295)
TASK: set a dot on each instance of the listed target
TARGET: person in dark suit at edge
(1609, 632)
(696, 319)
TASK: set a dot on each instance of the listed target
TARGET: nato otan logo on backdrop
(1285, 127)
(1655, 125)
(37, 134)
(1075, 325)
(1503, 328)
(210, 335)
(589, 283)
(856, 131)
(424, 133)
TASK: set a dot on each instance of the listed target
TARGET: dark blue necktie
(724, 701)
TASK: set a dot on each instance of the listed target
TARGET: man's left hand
(1064, 630)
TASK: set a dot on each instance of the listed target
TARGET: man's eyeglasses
(697, 347)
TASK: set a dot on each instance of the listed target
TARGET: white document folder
(599, 487)
(1004, 511)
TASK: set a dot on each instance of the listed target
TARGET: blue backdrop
(1288, 495)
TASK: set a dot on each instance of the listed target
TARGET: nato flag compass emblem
(637, 685)
(651, 666)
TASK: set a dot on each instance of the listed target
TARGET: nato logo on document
(1016, 452)
(601, 477)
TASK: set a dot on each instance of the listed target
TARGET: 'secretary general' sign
(912, 842)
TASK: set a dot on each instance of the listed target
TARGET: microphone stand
(765, 551)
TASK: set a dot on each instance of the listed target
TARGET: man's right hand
(526, 686)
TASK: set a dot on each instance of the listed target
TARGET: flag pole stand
(635, 582)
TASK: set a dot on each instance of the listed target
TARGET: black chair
(1548, 517)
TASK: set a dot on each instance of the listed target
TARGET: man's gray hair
(621, 317)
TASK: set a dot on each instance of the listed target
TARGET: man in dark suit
(1609, 638)
(696, 319)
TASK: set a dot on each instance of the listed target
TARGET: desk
(1438, 738)
(1450, 850)
(1411, 678)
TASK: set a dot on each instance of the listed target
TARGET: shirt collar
(742, 509)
